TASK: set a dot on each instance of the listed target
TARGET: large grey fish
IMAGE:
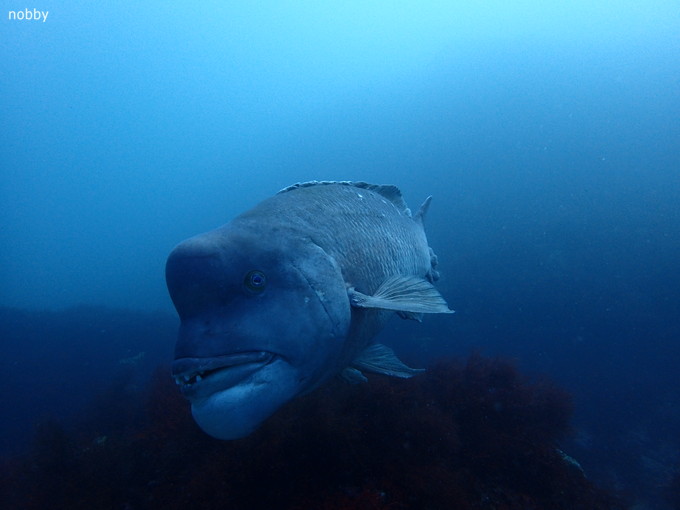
(292, 293)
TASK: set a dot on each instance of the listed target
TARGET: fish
(291, 294)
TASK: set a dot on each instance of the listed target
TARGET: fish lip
(200, 377)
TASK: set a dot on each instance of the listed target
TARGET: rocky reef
(464, 435)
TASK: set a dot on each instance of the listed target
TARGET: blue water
(548, 133)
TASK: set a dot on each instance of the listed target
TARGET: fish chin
(236, 411)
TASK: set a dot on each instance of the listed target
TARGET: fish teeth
(188, 379)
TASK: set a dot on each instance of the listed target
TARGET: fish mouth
(199, 378)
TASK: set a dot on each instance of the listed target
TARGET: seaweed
(473, 435)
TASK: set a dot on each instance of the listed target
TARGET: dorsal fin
(388, 191)
(420, 215)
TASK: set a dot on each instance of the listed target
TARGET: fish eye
(255, 281)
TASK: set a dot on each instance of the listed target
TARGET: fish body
(292, 293)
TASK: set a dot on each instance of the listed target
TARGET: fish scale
(369, 236)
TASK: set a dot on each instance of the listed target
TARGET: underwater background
(548, 134)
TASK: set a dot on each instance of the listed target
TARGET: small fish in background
(133, 360)
(292, 293)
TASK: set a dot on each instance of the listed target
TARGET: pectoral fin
(380, 359)
(409, 294)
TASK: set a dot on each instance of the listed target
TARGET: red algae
(477, 435)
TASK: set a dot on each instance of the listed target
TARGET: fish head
(263, 318)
